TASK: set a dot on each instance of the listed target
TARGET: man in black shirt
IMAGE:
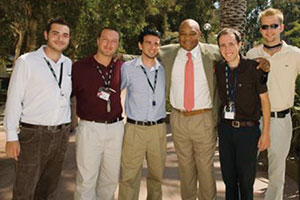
(243, 94)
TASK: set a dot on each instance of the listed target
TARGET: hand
(118, 56)
(264, 64)
(13, 149)
(263, 142)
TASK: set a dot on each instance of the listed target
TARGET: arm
(13, 108)
(264, 64)
(124, 76)
(264, 140)
(255, 54)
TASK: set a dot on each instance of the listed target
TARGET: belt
(49, 128)
(146, 123)
(238, 124)
(280, 114)
(193, 112)
(109, 121)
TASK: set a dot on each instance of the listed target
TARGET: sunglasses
(272, 26)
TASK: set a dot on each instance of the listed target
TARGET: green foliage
(293, 34)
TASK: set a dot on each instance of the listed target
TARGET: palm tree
(233, 15)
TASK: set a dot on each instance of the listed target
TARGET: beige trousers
(142, 142)
(98, 156)
(195, 141)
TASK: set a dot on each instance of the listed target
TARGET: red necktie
(189, 84)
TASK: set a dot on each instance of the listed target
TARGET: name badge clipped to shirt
(103, 93)
(63, 102)
(229, 110)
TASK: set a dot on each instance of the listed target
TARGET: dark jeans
(238, 156)
(40, 162)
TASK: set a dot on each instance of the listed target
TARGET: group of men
(187, 74)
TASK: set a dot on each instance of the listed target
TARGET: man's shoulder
(255, 51)
(169, 49)
(291, 48)
(84, 61)
(170, 46)
(207, 46)
(130, 62)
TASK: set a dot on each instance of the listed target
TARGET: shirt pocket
(66, 85)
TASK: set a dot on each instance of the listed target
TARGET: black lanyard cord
(59, 82)
(230, 89)
(107, 80)
(153, 87)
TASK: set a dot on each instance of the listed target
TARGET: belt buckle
(52, 128)
(235, 124)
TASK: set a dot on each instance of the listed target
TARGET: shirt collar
(284, 47)
(42, 53)
(194, 51)
(139, 62)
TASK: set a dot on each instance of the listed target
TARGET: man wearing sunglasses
(285, 66)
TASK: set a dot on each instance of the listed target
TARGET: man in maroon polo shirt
(96, 86)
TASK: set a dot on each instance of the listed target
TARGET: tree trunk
(19, 32)
(31, 42)
(233, 15)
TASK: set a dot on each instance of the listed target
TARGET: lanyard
(230, 89)
(153, 87)
(108, 79)
(59, 82)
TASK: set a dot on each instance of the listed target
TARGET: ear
(140, 46)
(281, 27)
(45, 35)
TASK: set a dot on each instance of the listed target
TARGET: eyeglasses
(272, 26)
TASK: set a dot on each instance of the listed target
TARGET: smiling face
(270, 28)
(229, 49)
(108, 42)
(189, 34)
(58, 37)
(150, 46)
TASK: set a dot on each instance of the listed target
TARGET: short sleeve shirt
(249, 84)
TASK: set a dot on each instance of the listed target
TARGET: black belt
(49, 128)
(146, 123)
(280, 114)
(109, 121)
(238, 124)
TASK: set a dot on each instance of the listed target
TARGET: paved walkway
(170, 185)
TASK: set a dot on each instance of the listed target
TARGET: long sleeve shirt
(34, 95)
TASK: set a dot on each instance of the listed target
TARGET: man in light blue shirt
(145, 130)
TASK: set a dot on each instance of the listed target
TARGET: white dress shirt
(202, 97)
(34, 96)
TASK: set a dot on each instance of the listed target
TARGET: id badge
(103, 94)
(229, 115)
(229, 110)
(63, 102)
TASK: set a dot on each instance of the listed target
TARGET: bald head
(189, 34)
(189, 23)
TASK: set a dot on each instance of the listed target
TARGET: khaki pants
(98, 156)
(140, 142)
(195, 141)
(280, 136)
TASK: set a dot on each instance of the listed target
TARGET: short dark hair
(109, 28)
(148, 31)
(57, 21)
(226, 31)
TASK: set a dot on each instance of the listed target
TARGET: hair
(148, 31)
(226, 31)
(57, 21)
(271, 12)
(109, 28)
